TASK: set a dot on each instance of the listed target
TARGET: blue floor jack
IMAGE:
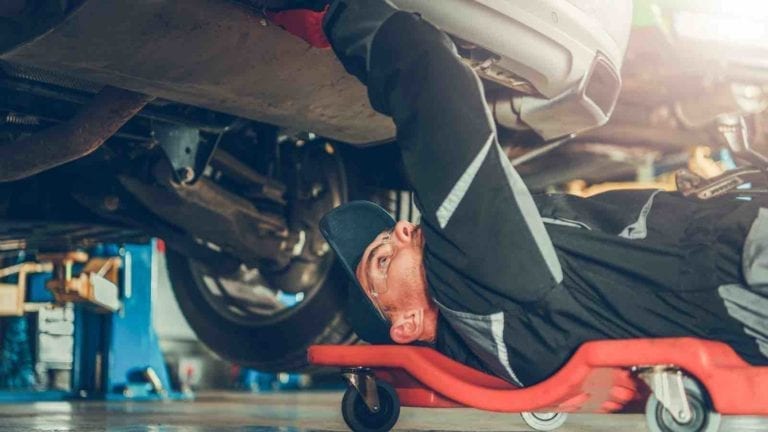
(115, 350)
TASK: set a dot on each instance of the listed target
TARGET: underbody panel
(213, 54)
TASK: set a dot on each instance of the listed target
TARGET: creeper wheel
(703, 419)
(544, 421)
(360, 418)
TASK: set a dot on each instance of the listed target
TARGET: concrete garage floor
(286, 412)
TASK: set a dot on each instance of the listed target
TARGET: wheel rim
(253, 297)
(703, 419)
(544, 417)
(544, 421)
(379, 419)
(698, 422)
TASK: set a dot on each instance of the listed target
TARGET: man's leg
(748, 302)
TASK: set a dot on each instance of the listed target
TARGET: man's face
(391, 270)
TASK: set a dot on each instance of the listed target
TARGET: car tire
(277, 345)
(279, 342)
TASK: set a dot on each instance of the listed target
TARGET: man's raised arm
(479, 218)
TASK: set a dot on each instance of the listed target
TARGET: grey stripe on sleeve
(531, 216)
(522, 196)
(639, 229)
(524, 200)
(452, 201)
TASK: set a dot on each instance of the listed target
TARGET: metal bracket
(363, 380)
(187, 152)
(667, 385)
(154, 379)
(95, 286)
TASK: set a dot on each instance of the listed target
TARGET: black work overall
(522, 281)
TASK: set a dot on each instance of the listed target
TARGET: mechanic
(506, 282)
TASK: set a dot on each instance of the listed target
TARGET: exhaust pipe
(83, 134)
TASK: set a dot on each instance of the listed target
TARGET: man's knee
(750, 307)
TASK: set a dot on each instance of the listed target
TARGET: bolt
(111, 203)
(186, 175)
(264, 22)
(316, 190)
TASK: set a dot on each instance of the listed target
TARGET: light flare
(740, 22)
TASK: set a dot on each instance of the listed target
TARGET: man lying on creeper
(505, 281)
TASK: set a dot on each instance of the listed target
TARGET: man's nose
(404, 231)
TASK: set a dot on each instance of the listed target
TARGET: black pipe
(65, 142)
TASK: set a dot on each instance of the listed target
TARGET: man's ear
(407, 326)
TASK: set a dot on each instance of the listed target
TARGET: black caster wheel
(361, 419)
(544, 421)
(703, 419)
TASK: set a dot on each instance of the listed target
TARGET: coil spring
(21, 119)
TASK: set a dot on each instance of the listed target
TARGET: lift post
(116, 355)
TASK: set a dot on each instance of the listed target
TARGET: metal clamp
(187, 151)
(154, 380)
(95, 286)
(667, 385)
(363, 380)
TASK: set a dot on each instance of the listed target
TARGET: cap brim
(349, 229)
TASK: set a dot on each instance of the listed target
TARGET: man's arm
(479, 218)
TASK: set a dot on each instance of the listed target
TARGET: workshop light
(739, 22)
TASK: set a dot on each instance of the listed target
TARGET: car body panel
(550, 43)
(226, 57)
(213, 54)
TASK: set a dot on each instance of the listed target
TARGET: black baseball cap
(349, 229)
